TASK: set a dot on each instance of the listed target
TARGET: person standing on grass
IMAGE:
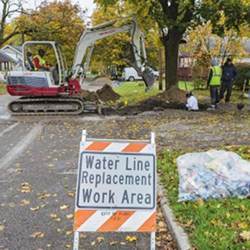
(214, 81)
(229, 74)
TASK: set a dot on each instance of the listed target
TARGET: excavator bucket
(149, 78)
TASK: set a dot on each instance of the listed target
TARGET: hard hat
(214, 62)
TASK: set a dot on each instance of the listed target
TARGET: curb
(177, 231)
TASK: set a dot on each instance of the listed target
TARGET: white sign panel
(111, 180)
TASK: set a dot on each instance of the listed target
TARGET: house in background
(7, 63)
(10, 59)
(185, 64)
(15, 52)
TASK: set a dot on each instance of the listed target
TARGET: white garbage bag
(213, 174)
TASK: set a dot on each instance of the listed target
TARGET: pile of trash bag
(213, 174)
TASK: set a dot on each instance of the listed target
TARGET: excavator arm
(91, 35)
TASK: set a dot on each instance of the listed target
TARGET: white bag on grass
(213, 174)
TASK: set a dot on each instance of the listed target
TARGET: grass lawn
(2, 88)
(186, 86)
(213, 224)
(134, 92)
(203, 95)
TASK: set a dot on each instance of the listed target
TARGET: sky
(83, 3)
(89, 4)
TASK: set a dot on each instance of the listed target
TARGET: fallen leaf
(245, 236)
(69, 233)
(34, 208)
(200, 202)
(43, 196)
(69, 216)
(131, 238)
(242, 225)
(243, 208)
(112, 243)
(71, 194)
(99, 239)
(37, 235)
(18, 170)
(2, 228)
(24, 202)
(12, 204)
(63, 207)
(161, 224)
(25, 187)
(53, 216)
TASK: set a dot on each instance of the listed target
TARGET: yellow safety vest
(41, 60)
(216, 78)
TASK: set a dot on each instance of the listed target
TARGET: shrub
(243, 75)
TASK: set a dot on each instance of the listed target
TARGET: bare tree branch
(9, 7)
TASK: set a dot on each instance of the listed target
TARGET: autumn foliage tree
(54, 21)
(175, 17)
(116, 50)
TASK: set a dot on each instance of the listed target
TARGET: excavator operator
(39, 61)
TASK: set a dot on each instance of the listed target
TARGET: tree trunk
(171, 44)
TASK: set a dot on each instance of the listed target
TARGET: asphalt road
(38, 162)
(37, 183)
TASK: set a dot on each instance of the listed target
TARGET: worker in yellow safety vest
(214, 81)
(39, 61)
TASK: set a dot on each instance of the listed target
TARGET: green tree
(115, 49)
(175, 17)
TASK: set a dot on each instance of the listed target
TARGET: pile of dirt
(101, 81)
(89, 96)
(107, 94)
(173, 95)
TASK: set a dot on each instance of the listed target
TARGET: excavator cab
(39, 81)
